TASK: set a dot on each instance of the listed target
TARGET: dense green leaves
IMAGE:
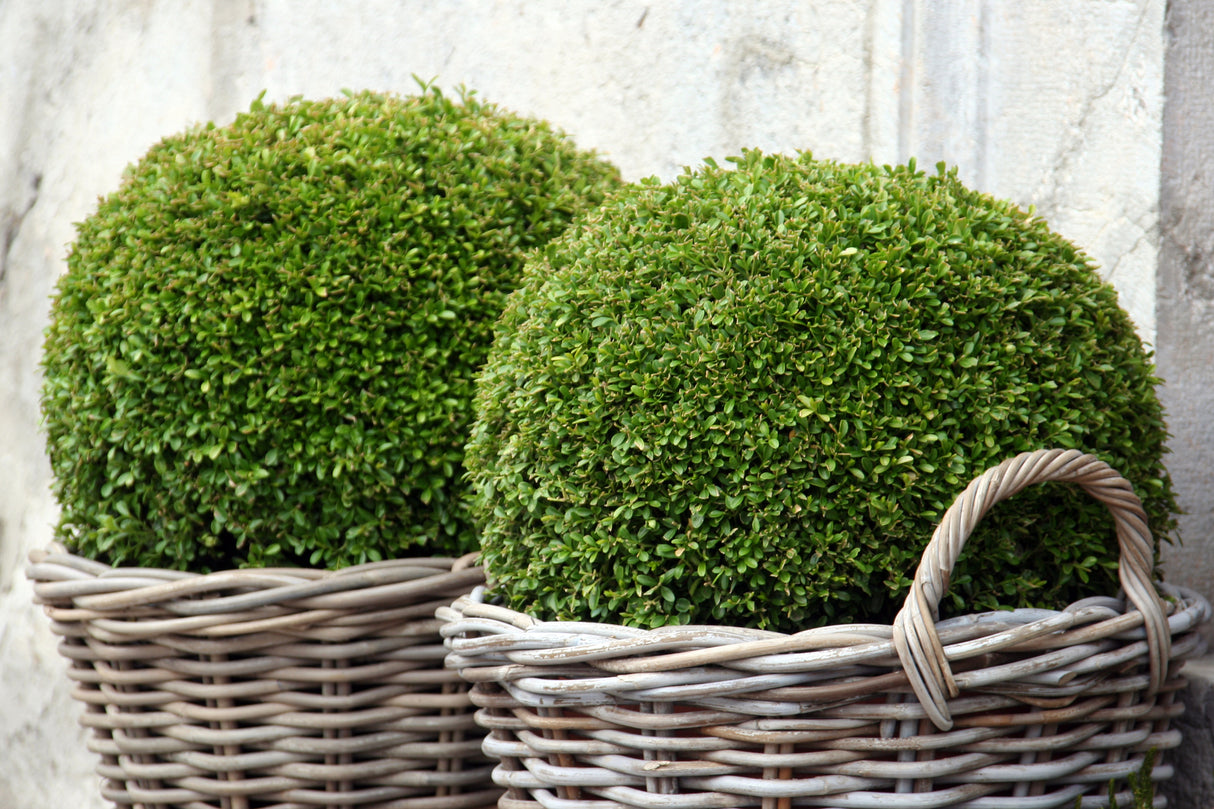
(748, 396)
(265, 344)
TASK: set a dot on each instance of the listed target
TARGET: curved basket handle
(915, 637)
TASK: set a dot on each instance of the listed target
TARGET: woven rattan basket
(275, 688)
(1018, 710)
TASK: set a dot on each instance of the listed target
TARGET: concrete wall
(1185, 285)
(1053, 103)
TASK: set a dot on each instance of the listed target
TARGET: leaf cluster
(264, 348)
(747, 397)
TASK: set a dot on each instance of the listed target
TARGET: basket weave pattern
(1026, 709)
(269, 688)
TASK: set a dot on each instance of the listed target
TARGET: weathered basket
(1019, 710)
(276, 688)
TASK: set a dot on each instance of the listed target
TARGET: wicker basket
(1019, 710)
(276, 688)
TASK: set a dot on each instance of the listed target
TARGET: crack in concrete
(1148, 228)
(1111, 272)
(12, 222)
(1073, 145)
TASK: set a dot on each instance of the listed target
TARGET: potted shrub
(262, 356)
(742, 402)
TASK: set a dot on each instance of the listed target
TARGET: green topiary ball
(264, 348)
(747, 397)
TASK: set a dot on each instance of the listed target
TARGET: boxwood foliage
(748, 396)
(265, 344)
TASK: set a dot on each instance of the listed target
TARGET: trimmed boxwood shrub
(748, 396)
(264, 348)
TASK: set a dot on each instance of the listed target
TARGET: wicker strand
(915, 637)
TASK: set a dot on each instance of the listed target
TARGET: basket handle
(915, 636)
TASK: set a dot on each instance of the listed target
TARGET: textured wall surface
(1185, 345)
(1053, 103)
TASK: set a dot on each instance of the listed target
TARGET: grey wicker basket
(1025, 709)
(284, 688)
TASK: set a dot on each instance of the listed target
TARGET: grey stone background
(1096, 112)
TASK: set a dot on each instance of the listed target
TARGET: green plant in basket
(1141, 787)
(747, 396)
(264, 347)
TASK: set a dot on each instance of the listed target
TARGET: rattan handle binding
(915, 636)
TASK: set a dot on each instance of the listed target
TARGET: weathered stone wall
(1053, 103)
(1185, 288)
(1185, 310)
